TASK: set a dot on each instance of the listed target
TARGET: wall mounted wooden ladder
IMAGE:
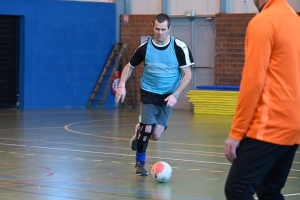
(113, 64)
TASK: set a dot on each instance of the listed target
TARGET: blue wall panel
(64, 46)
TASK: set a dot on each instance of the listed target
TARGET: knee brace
(143, 137)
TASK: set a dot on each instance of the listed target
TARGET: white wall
(179, 7)
(176, 7)
(146, 6)
(238, 6)
(201, 7)
(295, 4)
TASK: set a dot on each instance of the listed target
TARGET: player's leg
(238, 185)
(158, 131)
(145, 131)
(154, 121)
(270, 188)
(255, 159)
(133, 140)
(162, 118)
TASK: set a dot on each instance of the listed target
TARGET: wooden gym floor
(84, 154)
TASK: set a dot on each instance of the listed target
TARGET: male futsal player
(265, 132)
(167, 72)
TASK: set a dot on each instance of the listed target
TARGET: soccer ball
(161, 171)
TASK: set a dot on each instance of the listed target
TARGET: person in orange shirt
(265, 132)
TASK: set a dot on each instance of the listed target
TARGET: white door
(199, 35)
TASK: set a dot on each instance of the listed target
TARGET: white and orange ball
(161, 171)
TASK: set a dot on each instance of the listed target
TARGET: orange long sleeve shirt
(268, 106)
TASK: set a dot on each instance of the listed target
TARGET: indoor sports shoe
(133, 141)
(140, 169)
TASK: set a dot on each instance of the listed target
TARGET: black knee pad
(143, 138)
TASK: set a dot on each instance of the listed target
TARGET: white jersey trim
(185, 50)
(131, 66)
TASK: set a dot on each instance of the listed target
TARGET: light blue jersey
(162, 74)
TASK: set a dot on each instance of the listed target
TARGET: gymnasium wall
(229, 46)
(229, 58)
(131, 32)
(64, 46)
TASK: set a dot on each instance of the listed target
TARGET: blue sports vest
(162, 74)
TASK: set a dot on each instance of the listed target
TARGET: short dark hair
(160, 18)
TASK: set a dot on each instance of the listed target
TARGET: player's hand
(120, 95)
(171, 100)
(230, 148)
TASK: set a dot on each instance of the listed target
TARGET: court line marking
(44, 183)
(126, 155)
(184, 143)
(66, 127)
(197, 151)
(58, 127)
(172, 152)
(116, 154)
(109, 112)
(149, 150)
(116, 162)
(288, 195)
(101, 146)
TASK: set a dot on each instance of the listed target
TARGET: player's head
(160, 18)
(161, 28)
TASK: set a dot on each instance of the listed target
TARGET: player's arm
(186, 79)
(257, 57)
(185, 61)
(257, 54)
(121, 92)
(137, 58)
